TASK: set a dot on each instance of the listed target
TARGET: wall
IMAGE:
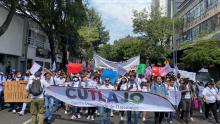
(12, 40)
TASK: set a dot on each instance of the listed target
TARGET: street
(60, 118)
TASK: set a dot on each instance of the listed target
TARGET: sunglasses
(107, 80)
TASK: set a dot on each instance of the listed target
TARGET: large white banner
(116, 100)
(103, 63)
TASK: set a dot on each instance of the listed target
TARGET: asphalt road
(60, 118)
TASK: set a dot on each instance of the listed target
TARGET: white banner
(190, 75)
(103, 63)
(174, 97)
(115, 100)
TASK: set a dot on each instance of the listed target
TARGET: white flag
(35, 67)
(54, 67)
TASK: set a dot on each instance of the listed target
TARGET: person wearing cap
(145, 87)
(158, 87)
(2, 80)
(188, 93)
(37, 107)
(76, 83)
(133, 85)
(210, 99)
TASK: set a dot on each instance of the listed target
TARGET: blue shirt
(159, 89)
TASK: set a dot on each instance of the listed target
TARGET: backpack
(35, 88)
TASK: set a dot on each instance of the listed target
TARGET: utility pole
(173, 33)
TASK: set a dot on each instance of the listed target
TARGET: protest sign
(111, 74)
(14, 91)
(190, 75)
(115, 100)
(141, 68)
(74, 68)
(35, 67)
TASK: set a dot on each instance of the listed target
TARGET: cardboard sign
(14, 91)
(74, 68)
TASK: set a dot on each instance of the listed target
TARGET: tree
(202, 53)
(92, 34)
(55, 17)
(9, 17)
(156, 31)
(121, 49)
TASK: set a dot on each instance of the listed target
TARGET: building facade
(23, 43)
(200, 18)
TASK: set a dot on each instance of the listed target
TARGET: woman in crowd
(92, 83)
(76, 84)
(122, 86)
(145, 87)
(210, 99)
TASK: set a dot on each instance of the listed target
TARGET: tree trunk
(52, 47)
(8, 20)
(64, 51)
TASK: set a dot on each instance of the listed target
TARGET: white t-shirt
(123, 86)
(109, 87)
(59, 81)
(145, 89)
(44, 85)
(136, 87)
(210, 94)
(92, 84)
(188, 94)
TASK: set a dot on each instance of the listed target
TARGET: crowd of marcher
(42, 107)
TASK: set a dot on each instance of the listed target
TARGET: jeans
(135, 117)
(1, 100)
(24, 105)
(170, 116)
(186, 109)
(108, 111)
(49, 103)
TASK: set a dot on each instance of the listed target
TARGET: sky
(117, 15)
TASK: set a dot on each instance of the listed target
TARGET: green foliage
(92, 34)
(202, 53)
(156, 31)
(89, 34)
(124, 48)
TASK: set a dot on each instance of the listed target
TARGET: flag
(54, 66)
(111, 74)
(121, 70)
(165, 70)
(35, 67)
(176, 69)
(74, 68)
(148, 71)
(156, 70)
(141, 68)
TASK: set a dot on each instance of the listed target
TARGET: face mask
(75, 79)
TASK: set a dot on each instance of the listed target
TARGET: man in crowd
(36, 89)
(159, 88)
(188, 93)
(106, 86)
